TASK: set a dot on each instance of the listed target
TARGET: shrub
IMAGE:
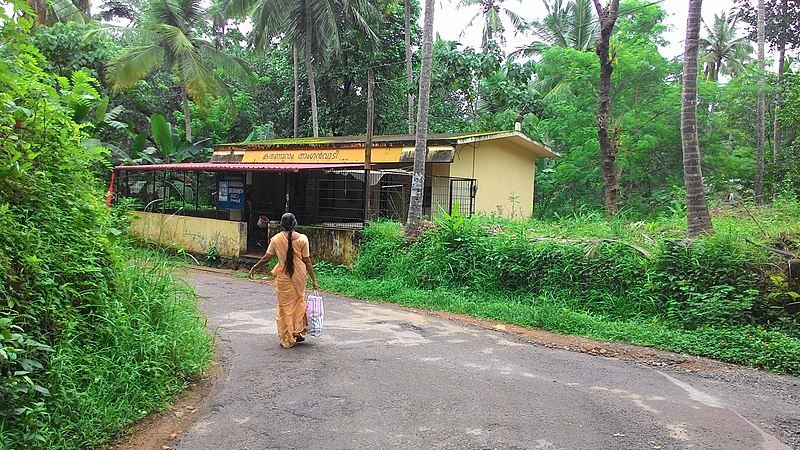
(721, 286)
(90, 339)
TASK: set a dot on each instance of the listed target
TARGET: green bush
(677, 295)
(90, 338)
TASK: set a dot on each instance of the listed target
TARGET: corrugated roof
(404, 140)
(448, 138)
(233, 167)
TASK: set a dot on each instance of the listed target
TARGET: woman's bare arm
(310, 267)
(261, 263)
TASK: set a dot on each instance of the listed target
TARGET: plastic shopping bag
(315, 313)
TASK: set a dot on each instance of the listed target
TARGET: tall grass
(89, 339)
(145, 346)
(123, 351)
(724, 296)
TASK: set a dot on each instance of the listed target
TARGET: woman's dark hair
(289, 222)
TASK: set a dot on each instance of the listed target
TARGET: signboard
(231, 191)
(329, 155)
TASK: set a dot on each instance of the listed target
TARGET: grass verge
(145, 348)
(747, 345)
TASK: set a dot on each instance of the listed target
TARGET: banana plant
(169, 147)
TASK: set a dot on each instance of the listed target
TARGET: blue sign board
(231, 191)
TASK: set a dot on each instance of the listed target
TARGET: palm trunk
(698, 217)
(777, 134)
(296, 74)
(413, 224)
(409, 68)
(187, 116)
(312, 85)
(608, 156)
(759, 187)
(312, 88)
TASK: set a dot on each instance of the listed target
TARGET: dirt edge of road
(160, 429)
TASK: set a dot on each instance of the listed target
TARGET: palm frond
(176, 41)
(529, 51)
(363, 14)
(470, 24)
(52, 11)
(239, 8)
(199, 79)
(127, 69)
(232, 65)
(517, 20)
(166, 12)
(494, 25)
(583, 27)
(269, 19)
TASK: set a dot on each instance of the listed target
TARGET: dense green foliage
(720, 296)
(90, 339)
(555, 92)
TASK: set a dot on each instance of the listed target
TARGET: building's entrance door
(268, 198)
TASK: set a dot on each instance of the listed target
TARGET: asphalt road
(385, 377)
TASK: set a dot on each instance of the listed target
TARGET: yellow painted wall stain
(193, 234)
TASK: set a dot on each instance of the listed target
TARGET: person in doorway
(291, 272)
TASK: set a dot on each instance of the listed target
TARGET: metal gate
(462, 196)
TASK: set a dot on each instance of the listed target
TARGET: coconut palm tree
(219, 23)
(314, 27)
(491, 13)
(570, 24)
(168, 38)
(759, 185)
(722, 51)
(409, 65)
(414, 220)
(698, 217)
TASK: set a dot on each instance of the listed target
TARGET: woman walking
(293, 268)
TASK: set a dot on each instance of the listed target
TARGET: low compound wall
(336, 246)
(192, 234)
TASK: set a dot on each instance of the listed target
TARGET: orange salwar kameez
(290, 313)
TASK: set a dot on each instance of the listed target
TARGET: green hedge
(718, 296)
(90, 339)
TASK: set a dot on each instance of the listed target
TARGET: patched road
(385, 377)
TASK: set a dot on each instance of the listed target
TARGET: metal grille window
(333, 198)
(182, 193)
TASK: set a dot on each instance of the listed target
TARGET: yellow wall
(336, 246)
(193, 234)
(501, 171)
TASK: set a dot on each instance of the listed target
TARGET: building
(322, 181)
